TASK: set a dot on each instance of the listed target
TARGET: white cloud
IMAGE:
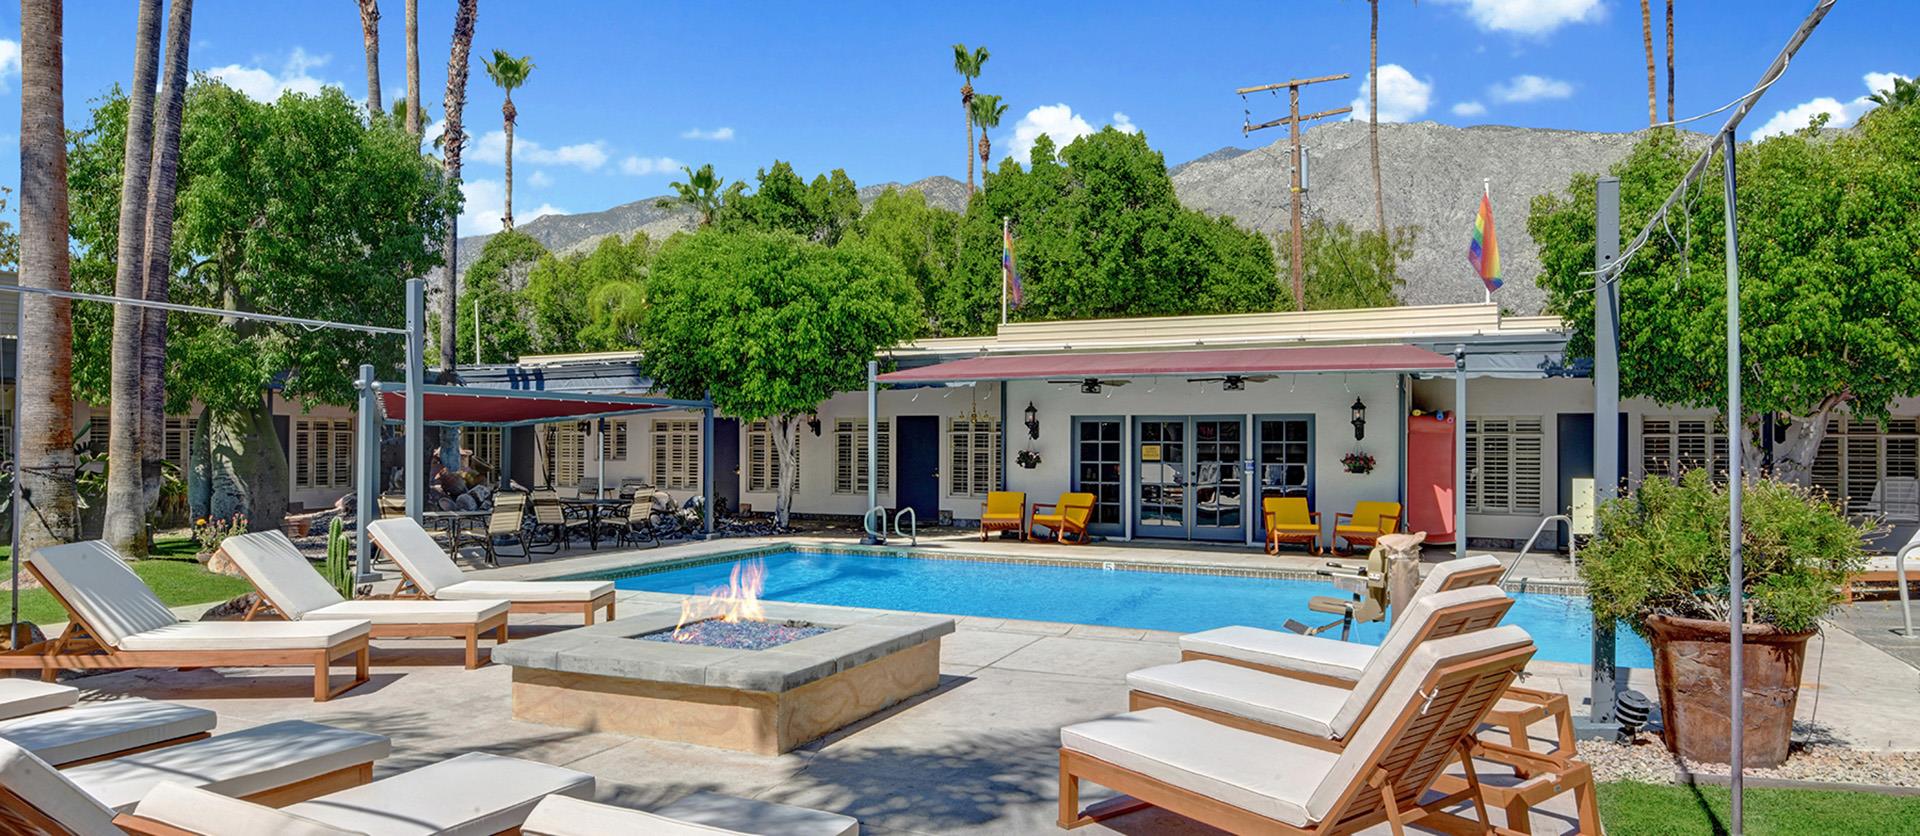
(1840, 114)
(294, 76)
(9, 62)
(486, 203)
(1059, 123)
(643, 166)
(715, 135)
(1529, 17)
(539, 179)
(1469, 109)
(1402, 97)
(1124, 123)
(491, 148)
(1530, 88)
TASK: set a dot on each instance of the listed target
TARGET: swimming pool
(1561, 625)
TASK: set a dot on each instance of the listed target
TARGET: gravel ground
(1649, 761)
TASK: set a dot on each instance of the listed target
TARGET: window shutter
(342, 454)
(302, 454)
(1529, 444)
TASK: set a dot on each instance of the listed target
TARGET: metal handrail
(1900, 580)
(866, 522)
(913, 534)
(1573, 551)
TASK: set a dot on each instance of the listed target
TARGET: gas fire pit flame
(738, 601)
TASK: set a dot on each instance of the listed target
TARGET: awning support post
(416, 412)
(1606, 417)
(506, 457)
(366, 481)
(873, 452)
(1459, 451)
(706, 463)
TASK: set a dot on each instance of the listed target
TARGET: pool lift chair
(1365, 606)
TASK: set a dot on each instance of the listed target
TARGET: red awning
(1234, 361)
(507, 407)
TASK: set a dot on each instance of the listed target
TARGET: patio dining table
(595, 509)
(452, 522)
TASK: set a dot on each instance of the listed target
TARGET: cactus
(339, 568)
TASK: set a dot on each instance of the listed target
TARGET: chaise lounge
(46, 719)
(427, 572)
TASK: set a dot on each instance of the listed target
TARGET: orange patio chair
(1069, 516)
(1004, 511)
(1289, 520)
(1363, 527)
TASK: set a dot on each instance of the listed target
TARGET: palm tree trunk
(159, 249)
(986, 152)
(1670, 116)
(126, 508)
(1646, 38)
(370, 39)
(413, 68)
(506, 219)
(44, 370)
(454, 141)
(1373, 116)
(966, 109)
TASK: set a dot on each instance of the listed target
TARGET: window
(763, 458)
(975, 446)
(566, 454)
(1503, 465)
(613, 441)
(322, 453)
(1857, 458)
(1670, 447)
(179, 440)
(676, 454)
(485, 444)
(1099, 471)
(98, 433)
(850, 456)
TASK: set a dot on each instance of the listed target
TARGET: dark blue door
(916, 471)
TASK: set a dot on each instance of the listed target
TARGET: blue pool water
(1560, 624)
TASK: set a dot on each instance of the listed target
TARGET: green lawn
(1628, 808)
(172, 573)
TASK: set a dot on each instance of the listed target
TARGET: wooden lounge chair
(290, 589)
(275, 764)
(1004, 511)
(46, 719)
(1364, 526)
(1288, 520)
(1885, 568)
(1067, 517)
(117, 622)
(427, 572)
(1244, 782)
(699, 814)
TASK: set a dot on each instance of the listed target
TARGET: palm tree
(987, 111)
(126, 506)
(45, 369)
(169, 106)
(413, 69)
(1905, 92)
(968, 65)
(1670, 116)
(370, 39)
(701, 193)
(453, 140)
(1373, 114)
(1646, 38)
(509, 72)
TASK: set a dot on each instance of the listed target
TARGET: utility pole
(1292, 121)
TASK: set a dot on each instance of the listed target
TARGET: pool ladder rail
(877, 535)
(1573, 549)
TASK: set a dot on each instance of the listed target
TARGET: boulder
(231, 610)
(466, 502)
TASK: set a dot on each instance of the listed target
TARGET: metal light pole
(1606, 417)
(1459, 451)
(416, 411)
(1736, 574)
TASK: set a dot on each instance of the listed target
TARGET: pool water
(1561, 625)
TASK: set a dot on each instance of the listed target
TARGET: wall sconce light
(1033, 421)
(813, 423)
(1359, 419)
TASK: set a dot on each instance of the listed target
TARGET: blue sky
(623, 93)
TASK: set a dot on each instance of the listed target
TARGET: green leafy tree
(820, 211)
(920, 238)
(1348, 268)
(701, 191)
(771, 325)
(491, 292)
(1830, 279)
(610, 280)
(296, 207)
(509, 73)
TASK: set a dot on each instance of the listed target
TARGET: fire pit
(726, 669)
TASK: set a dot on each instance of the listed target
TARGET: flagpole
(1486, 191)
(1005, 229)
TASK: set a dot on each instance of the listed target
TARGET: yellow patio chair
(1289, 520)
(1069, 516)
(1004, 511)
(1364, 526)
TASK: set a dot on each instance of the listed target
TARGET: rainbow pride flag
(1484, 252)
(1013, 293)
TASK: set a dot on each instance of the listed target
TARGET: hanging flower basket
(1028, 459)
(1357, 463)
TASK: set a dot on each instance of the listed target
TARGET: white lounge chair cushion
(1884, 563)
(201, 812)
(418, 554)
(411, 612)
(50, 792)
(546, 591)
(238, 764)
(558, 815)
(275, 565)
(96, 729)
(1296, 704)
(731, 814)
(1285, 650)
(1260, 774)
(1446, 569)
(1400, 642)
(20, 697)
(95, 581)
(472, 794)
(246, 635)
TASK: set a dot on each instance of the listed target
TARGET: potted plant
(1357, 462)
(1660, 563)
(1028, 459)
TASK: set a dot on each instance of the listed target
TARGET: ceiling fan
(1092, 385)
(1233, 382)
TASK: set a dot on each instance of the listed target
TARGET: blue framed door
(1097, 468)
(1283, 456)
(916, 474)
(1188, 481)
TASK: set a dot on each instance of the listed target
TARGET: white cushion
(1295, 704)
(50, 792)
(20, 697)
(97, 584)
(411, 612)
(1398, 643)
(1444, 571)
(472, 794)
(212, 814)
(576, 591)
(746, 815)
(1283, 649)
(103, 728)
(418, 554)
(1251, 771)
(246, 635)
(1884, 563)
(238, 764)
(275, 565)
(558, 815)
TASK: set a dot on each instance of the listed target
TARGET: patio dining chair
(507, 522)
(550, 516)
(640, 522)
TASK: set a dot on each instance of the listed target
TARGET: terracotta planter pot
(1691, 663)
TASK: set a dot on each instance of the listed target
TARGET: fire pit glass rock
(741, 635)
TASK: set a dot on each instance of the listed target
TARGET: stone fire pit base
(767, 702)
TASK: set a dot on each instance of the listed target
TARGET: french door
(1189, 483)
